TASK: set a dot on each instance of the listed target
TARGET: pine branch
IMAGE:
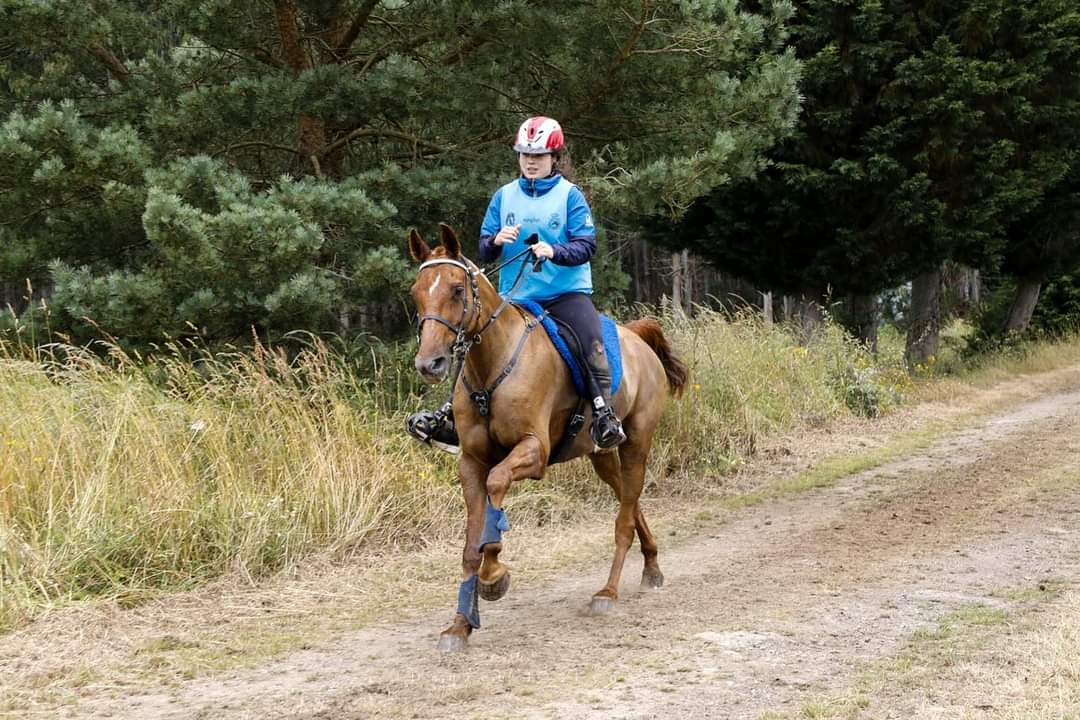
(254, 143)
(265, 56)
(116, 68)
(343, 43)
(380, 132)
(472, 44)
(625, 52)
(393, 46)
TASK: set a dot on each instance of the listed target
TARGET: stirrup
(606, 430)
(434, 428)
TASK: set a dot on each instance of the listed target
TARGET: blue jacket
(556, 210)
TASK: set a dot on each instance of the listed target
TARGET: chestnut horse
(530, 403)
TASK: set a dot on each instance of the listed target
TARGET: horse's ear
(450, 241)
(417, 247)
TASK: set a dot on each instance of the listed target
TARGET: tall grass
(750, 379)
(119, 479)
(122, 477)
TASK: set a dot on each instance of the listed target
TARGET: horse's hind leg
(625, 473)
(634, 456)
(651, 577)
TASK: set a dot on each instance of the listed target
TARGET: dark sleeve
(576, 252)
(579, 226)
(489, 251)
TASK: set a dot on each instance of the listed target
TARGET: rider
(545, 203)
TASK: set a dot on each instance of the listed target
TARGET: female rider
(545, 203)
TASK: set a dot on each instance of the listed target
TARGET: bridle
(462, 342)
(472, 273)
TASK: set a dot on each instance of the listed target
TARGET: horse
(530, 400)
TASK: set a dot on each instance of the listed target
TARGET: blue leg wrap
(495, 523)
(468, 601)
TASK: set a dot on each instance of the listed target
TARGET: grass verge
(123, 477)
(979, 661)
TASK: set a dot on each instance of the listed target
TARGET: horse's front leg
(473, 474)
(527, 460)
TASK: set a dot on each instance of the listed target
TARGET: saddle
(569, 349)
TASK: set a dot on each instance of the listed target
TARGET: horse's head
(446, 292)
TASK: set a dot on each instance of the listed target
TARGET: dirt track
(767, 608)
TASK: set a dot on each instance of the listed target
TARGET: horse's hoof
(601, 605)
(494, 591)
(652, 578)
(453, 643)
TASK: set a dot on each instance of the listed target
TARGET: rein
(462, 344)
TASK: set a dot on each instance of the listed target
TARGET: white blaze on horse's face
(431, 290)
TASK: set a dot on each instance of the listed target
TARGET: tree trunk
(312, 128)
(925, 326)
(865, 316)
(688, 281)
(676, 282)
(766, 307)
(1023, 305)
(12, 297)
(808, 314)
(960, 288)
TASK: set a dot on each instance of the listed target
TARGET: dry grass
(979, 662)
(119, 480)
(123, 478)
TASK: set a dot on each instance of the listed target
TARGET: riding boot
(606, 429)
(435, 428)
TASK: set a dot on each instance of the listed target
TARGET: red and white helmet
(539, 136)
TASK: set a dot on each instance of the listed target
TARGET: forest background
(204, 205)
(216, 169)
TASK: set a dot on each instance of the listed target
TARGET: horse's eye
(459, 291)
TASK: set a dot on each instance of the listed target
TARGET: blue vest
(544, 215)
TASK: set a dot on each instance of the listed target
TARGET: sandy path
(770, 607)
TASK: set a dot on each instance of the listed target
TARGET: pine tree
(234, 165)
(917, 146)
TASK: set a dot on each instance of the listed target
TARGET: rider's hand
(543, 250)
(506, 235)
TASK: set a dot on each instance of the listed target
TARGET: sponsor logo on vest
(553, 221)
(510, 219)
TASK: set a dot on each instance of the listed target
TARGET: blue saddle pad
(609, 333)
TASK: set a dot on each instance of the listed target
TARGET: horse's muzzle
(432, 369)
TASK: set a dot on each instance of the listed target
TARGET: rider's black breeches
(577, 311)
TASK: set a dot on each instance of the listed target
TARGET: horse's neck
(487, 358)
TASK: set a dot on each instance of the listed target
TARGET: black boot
(606, 429)
(435, 428)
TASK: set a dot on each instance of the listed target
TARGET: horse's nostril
(438, 365)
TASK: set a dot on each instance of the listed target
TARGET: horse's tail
(650, 331)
